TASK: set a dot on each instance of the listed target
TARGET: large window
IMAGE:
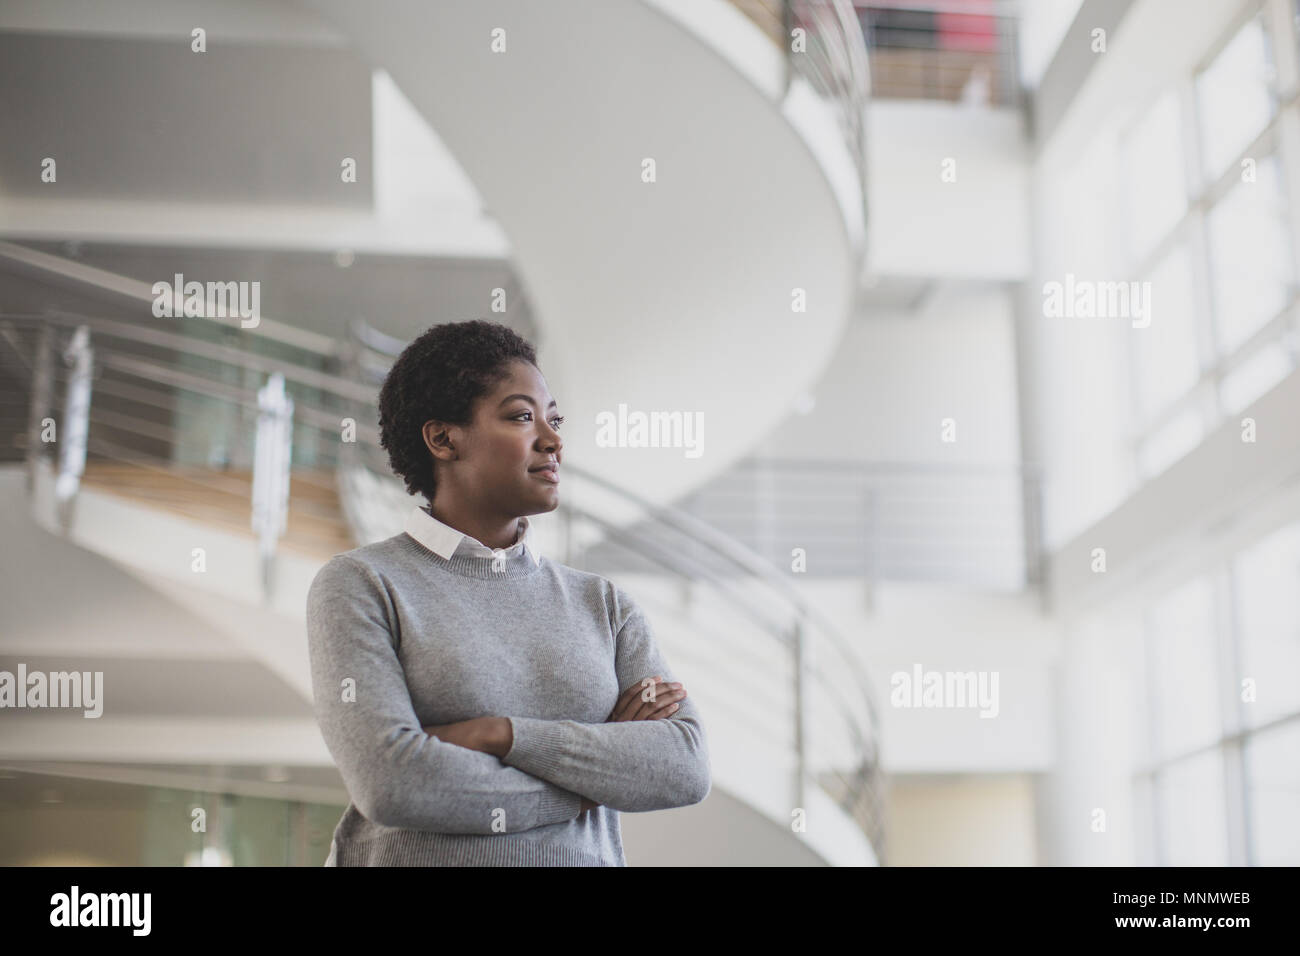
(1267, 587)
(1167, 352)
(1235, 96)
(1184, 671)
(1157, 192)
(1273, 793)
(1168, 365)
(1250, 255)
(1208, 220)
(1222, 785)
(1193, 820)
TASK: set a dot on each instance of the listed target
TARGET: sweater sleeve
(632, 765)
(395, 773)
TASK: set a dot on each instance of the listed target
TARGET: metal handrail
(927, 520)
(835, 24)
(70, 273)
(835, 64)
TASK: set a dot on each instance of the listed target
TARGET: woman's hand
(491, 735)
(633, 703)
(632, 706)
(494, 735)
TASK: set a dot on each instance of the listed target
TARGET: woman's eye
(555, 422)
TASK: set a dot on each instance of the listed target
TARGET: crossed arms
(460, 779)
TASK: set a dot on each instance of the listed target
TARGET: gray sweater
(401, 637)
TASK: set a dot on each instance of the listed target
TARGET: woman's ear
(437, 438)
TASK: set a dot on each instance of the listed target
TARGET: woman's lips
(547, 474)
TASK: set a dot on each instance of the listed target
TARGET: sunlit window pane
(1156, 186)
(1250, 256)
(1235, 97)
(1273, 795)
(1167, 363)
(1192, 811)
(1183, 671)
(1267, 583)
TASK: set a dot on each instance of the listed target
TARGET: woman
(485, 704)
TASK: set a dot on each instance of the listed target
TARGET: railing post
(800, 655)
(42, 394)
(869, 498)
(76, 425)
(271, 462)
(1031, 517)
(787, 25)
(765, 540)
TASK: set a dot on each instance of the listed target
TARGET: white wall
(895, 376)
(921, 225)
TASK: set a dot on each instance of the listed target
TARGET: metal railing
(960, 524)
(789, 675)
(159, 402)
(830, 53)
(952, 50)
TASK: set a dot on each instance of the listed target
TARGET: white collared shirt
(444, 540)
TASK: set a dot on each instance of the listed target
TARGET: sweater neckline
(510, 568)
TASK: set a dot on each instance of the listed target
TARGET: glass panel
(1254, 377)
(1192, 812)
(1250, 256)
(1267, 581)
(1185, 677)
(1167, 364)
(1157, 192)
(1273, 795)
(1235, 97)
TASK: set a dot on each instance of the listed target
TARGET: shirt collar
(444, 540)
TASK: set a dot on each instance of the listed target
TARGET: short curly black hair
(439, 376)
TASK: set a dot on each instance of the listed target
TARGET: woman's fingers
(628, 700)
(630, 703)
(665, 696)
(664, 704)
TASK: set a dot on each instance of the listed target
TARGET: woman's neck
(494, 533)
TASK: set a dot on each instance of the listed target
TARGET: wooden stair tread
(223, 497)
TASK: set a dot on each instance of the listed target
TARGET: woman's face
(515, 430)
